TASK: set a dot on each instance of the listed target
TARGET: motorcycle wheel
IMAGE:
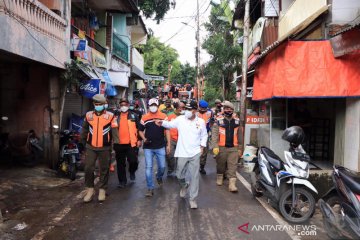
(304, 200)
(255, 176)
(334, 203)
(72, 168)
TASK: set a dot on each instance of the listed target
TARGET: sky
(173, 32)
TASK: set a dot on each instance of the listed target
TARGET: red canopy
(307, 69)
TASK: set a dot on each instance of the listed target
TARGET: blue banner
(106, 76)
(76, 123)
(90, 88)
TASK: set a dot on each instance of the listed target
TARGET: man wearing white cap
(154, 144)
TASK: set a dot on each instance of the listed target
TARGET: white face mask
(182, 112)
(106, 106)
(124, 108)
(153, 109)
(188, 114)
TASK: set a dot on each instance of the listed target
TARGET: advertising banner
(89, 88)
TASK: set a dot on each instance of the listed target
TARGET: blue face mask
(99, 108)
(131, 107)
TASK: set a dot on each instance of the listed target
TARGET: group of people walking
(178, 137)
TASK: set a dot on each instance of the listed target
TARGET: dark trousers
(123, 152)
(104, 162)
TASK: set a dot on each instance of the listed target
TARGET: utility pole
(169, 73)
(197, 52)
(244, 66)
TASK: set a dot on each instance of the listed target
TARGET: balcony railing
(120, 48)
(34, 14)
(91, 42)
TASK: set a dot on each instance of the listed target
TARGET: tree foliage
(226, 55)
(156, 7)
(157, 58)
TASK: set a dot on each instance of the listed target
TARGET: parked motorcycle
(340, 206)
(69, 162)
(285, 184)
(23, 148)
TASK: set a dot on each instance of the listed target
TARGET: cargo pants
(226, 161)
(104, 163)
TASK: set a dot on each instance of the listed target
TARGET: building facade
(33, 50)
(304, 70)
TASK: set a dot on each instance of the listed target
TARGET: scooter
(340, 206)
(69, 161)
(285, 184)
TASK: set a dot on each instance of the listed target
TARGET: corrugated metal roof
(265, 52)
(346, 29)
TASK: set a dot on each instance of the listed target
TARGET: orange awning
(307, 69)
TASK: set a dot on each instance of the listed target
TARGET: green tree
(219, 71)
(156, 7)
(187, 74)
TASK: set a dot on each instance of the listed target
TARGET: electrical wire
(36, 40)
(176, 33)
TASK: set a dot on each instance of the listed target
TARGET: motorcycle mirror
(4, 118)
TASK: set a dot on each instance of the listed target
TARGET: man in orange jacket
(125, 146)
(99, 128)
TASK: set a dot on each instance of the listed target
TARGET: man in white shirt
(191, 142)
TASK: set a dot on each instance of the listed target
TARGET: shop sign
(257, 120)
(99, 59)
(154, 78)
(118, 66)
(90, 88)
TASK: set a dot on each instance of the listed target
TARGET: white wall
(352, 134)
(345, 11)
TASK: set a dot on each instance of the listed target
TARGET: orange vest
(100, 128)
(132, 130)
(206, 116)
(173, 131)
(224, 125)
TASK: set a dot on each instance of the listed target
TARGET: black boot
(202, 170)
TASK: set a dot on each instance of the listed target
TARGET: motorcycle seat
(351, 180)
(273, 159)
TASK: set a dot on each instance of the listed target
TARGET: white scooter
(285, 184)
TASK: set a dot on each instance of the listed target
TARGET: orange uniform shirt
(124, 134)
(173, 131)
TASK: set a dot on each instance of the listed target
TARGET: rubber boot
(232, 185)
(89, 195)
(220, 179)
(102, 196)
